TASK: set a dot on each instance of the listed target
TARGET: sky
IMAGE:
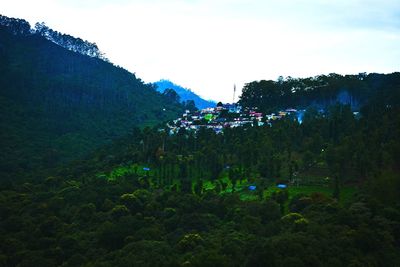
(210, 45)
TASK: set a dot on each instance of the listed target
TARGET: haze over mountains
(184, 93)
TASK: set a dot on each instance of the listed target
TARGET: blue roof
(281, 185)
(146, 169)
(252, 187)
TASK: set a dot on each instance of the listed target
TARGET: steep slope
(184, 94)
(58, 104)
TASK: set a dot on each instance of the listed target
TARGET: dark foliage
(319, 91)
(77, 217)
(153, 199)
(57, 105)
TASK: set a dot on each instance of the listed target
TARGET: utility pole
(234, 92)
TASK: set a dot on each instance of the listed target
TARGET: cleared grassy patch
(122, 171)
(346, 192)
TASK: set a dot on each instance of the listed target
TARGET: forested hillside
(60, 98)
(210, 199)
(319, 91)
(323, 191)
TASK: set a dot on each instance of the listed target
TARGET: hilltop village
(228, 116)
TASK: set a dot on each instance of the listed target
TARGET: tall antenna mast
(234, 92)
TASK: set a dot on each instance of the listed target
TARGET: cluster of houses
(227, 116)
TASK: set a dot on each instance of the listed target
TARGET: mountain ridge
(184, 93)
(58, 104)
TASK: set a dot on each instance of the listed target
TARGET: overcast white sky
(209, 45)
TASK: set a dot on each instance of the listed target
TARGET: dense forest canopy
(151, 199)
(59, 104)
(90, 176)
(320, 91)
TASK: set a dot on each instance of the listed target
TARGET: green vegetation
(60, 99)
(194, 207)
(148, 198)
(320, 91)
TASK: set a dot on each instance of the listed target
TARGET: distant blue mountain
(184, 93)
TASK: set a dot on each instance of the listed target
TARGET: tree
(281, 197)
(131, 202)
(190, 105)
(171, 95)
(234, 176)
